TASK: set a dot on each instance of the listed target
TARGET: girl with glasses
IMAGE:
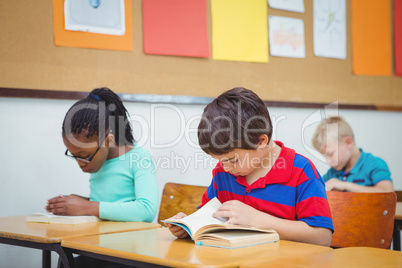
(123, 186)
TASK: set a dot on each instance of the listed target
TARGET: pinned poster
(106, 17)
(289, 5)
(176, 27)
(239, 30)
(286, 37)
(398, 36)
(85, 39)
(330, 28)
(371, 37)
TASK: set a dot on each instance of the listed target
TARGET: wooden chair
(397, 225)
(178, 197)
(362, 219)
(399, 195)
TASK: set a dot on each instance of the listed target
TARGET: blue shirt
(126, 187)
(368, 171)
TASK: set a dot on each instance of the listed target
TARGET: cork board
(29, 59)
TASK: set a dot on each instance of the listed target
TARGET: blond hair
(331, 127)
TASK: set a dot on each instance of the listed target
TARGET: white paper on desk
(330, 28)
(286, 37)
(290, 5)
(107, 18)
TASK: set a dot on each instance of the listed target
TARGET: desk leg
(66, 258)
(397, 235)
(46, 259)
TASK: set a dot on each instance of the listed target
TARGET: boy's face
(337, 154)
(240, 162)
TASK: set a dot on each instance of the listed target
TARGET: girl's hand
(236, 212)
(177, 230)
(71, 205)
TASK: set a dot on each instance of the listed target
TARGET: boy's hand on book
(71, 205)
(236, 212)
(177, 230)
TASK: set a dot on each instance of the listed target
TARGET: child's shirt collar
(280, 173)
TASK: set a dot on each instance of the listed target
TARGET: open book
(51, 218)
(209, 231)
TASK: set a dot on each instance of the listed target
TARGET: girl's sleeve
(145, 206)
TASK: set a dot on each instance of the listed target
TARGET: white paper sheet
(290, 5)
(107, 18)
(286, 37)
(330, 28)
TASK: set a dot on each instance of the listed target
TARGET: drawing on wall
(67, 38)
(290, 5)
(330, 28)
(102, 17)
(286, 37)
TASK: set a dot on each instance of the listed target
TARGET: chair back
(178, 197)
(398, 196)
(362, 219)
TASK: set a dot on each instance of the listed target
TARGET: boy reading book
(260, 182)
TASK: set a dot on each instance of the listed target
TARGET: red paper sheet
(176, 27)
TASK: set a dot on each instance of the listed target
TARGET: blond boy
(352, 169)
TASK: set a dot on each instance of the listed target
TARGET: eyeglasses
(86, 160)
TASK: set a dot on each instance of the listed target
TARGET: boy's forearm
(382, 186)
(298, 231)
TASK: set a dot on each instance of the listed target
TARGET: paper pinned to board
(286, 37)
(239, 30)
(102, 17)
(290, 5)
(330, 28)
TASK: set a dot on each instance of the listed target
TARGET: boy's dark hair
(101, 111)
(235, 119)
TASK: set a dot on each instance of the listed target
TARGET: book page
(201, 217)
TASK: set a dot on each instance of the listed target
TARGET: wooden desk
(397, 227)
(158, 247)
(16, 231)
(343, 257)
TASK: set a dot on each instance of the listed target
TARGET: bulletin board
(29, 59)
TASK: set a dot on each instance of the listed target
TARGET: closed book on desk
(50, 218)
(209, 231)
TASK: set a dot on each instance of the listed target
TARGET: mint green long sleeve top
(126, 187)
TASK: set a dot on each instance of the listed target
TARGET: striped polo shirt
(293, 190)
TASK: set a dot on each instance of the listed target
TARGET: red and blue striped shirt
(293, 190)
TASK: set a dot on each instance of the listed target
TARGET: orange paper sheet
(371, 37)
(66, 38)
(398, 36)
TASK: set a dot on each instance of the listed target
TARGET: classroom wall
(34, 168)
(29, 59)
